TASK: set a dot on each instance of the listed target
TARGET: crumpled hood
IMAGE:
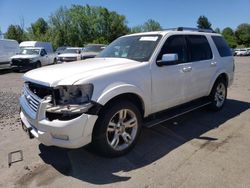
(68, 55)
(21, 56)
(69, 73)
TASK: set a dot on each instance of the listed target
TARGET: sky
(221, 13)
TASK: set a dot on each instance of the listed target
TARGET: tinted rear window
(199, 48)
(222, 46)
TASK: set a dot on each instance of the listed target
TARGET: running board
(172, 113)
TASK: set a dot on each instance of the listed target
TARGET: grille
(20, 62)
(32, 100)
(67, 59)
(34, 93)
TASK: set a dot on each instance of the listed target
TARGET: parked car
(92, 50)
(32, 57)
(8, 48)
(242, 52)
(106, 100)
(234, 52)
(46, 45)
(248, 51)
(70, 54)
(59, 50)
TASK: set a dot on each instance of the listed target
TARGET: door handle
(186, 69)
(213, 64)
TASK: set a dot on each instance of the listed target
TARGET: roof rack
(191, 29)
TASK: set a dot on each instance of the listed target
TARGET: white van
(46, 45)
(8, 48)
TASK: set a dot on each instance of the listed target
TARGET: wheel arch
(219, 75)
(125, 92)
(132, 97)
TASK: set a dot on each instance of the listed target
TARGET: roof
(179, 30)
(9, 40)
(36, 48)
(76, 48)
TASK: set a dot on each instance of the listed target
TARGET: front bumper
(22, 63)
(72, 133)
(66, 59)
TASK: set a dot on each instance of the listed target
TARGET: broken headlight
(73, 94)
(72, 99)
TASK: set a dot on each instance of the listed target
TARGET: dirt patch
(40, 175)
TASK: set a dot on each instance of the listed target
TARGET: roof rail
(191, 29)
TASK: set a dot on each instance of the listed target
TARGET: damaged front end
(66, 102)
(63, 116)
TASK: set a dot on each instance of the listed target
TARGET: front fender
(116, 89)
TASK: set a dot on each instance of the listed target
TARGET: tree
(242, 34)
(217, 30)
(59, 28)
(150, 25)
(203, 23)
(15, 32)
(228, 34)
(137, 29)
(38, 30)
(79, 25)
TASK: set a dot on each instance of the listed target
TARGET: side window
(43, 52)
(175, 45)
(199, 48)
(222, 46)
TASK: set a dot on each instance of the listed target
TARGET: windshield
(93, 48)
(30, 51)
(71, 51)
(138, 48)
(60, 49)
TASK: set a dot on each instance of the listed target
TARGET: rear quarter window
(199, 48)
(222, 46)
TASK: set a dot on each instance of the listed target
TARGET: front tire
(218, 95)
(117, 129)
(55, 61)
(38, 64)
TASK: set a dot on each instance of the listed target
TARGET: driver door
(170, 81)
(44, 57)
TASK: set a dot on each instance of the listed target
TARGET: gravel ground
(201, 149)
(10, 91)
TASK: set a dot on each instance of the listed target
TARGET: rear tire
(117, 129)
(218, 95)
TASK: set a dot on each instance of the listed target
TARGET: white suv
(106, 100)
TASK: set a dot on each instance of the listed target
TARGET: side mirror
(168, 59)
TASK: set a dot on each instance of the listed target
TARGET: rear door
(203, 66)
